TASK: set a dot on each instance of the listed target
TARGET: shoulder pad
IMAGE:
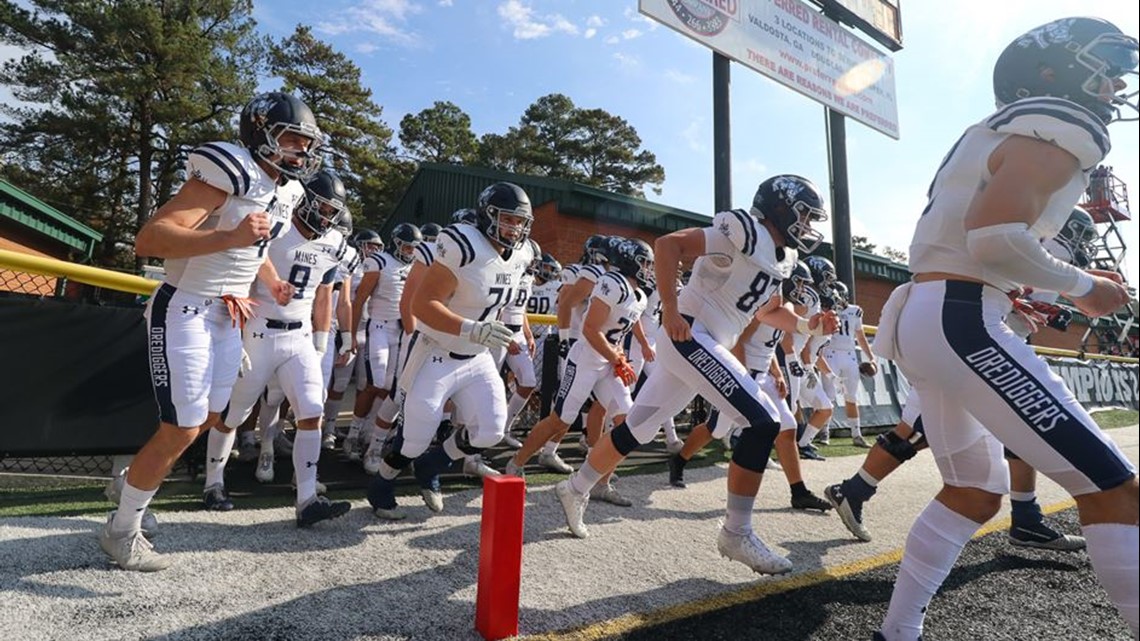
(224, 166)
(1058, 121)
(425, 253)
(591, 272)
(740, 227)
(454, 239)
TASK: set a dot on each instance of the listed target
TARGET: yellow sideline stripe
(633, 621)
(138, 285)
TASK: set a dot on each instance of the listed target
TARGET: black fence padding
(74, 379)
(549, 373)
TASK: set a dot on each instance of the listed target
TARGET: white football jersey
(544, 298)
(572, 275)
(850, 323)
(384, 303)
(761, 347)
(425, 253)
(651, 317)
(515, 311)
(939, 242)
(305, 264)
(741, 269)
(626, 302)
(249, 190)
(485, 279)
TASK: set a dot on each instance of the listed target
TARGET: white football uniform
(352, 269)
(571, 275)
(842, 354)
(279, 339)
(740, 270)
(650, 321)
(193, 345)
(385, 331)
(1015, 321)
(513, 316)
(441, 365)
(587, 371)
(543, 300)
(951, 340)
(759, 351)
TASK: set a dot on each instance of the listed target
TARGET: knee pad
(624, 440)
(391, 453)
(901, 448)
(755, 446)
(463, 442)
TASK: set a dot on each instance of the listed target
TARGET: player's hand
(648, 354)
(676, 327)
(624, 371)
(1104, 273)
(252, 228)
(531, 346)
(490, 333)
(1106, 297)
(828, 321)
(514, 348)
(781, 387)
(282, 291)
(811, 379)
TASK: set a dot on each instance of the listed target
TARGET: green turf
(30, 495)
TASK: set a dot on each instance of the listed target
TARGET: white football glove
(345, 343)
(246, 364)
(811, 378)
(321, 341)
(491, 333)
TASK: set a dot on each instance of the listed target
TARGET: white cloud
(613, 40)
(626, 61)
(590, 33)
(527, 25)
(446, 3)
(595, 21)
(632, 14)
(630, 34)
(382, 18)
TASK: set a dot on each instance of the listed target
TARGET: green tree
(360, 142)
(113, 94)
(896, 255)
(863, 243)
(441, 133)
(591, 146)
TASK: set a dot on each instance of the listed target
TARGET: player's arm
(668, 252)
(646, 349)
(1026, 173)
(782, 317)
(282, 291)
(570, 297)
(415, 276)
(428, 300)
(173, 230)
(777, 376)
(529, 335)
(344, 307)
(592, 327)
(745, 336)
(363, 293)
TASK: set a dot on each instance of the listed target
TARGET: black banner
(1100, 383)
(74, 379)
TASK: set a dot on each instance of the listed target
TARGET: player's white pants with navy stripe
(720, 427)
(384, 338)
(194, 351)
(520, 364)
(356, 365)
(582, 378)
(433, 375)
(978, 383)
(287, 356)
(844, 363)
(699, 366)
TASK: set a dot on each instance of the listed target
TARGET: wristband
(1084, 286)
(466, 327)
(563, 333)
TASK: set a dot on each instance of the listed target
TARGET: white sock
(218, 446)
(550, 448)
(355, 426)
(306, 453)
(933, 545)
(670, 431)
(809, 433)
(1024, 497)
(379, 435)
(856, 427)
(132, 506)
(371, 418)
(332, 410)
(1113, 550)
(514, 406)
(585, 478)
(867, 478)
(738, 513)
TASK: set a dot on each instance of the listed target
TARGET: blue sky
(495, 57)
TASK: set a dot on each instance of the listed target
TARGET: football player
(842, 357)
(285, 342)
(740, 262)
(474, 274)
(1010, 181)
(214, 234)
(519, 353)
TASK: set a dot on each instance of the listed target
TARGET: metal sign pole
(722, 135)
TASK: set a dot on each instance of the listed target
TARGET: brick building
(30, 226)
(567, 213)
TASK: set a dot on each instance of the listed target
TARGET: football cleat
(850, 511)
(574, 506)
(751, 551)
(1043, 537)
(319, 509)
(554, 463)
(130, 550)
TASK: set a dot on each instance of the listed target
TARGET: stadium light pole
(722, 135)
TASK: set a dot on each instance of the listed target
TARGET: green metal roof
(33, 213)
(437, 190)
